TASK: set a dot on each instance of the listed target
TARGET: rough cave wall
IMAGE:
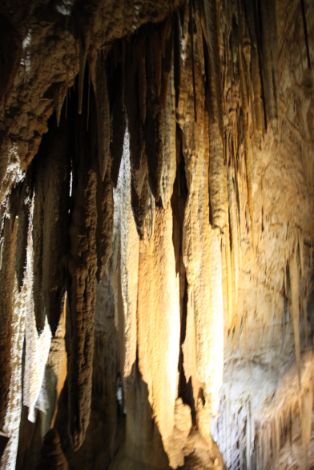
(156, 234)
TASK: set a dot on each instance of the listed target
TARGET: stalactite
(108, 160)
(192, 27)
(129, 259)
(258, 108)
(245, 123)
(83, 50)
(59, 98)
(38, 226)
(151, 128)
(168, 136)
(249, 180)
(23, 228)
(268, 38)
(234, 236)
(203, 344)
(83, 273)
(158, 334)
(37, 344)
(228, 287)
(83, 267)
(295, 307)
(140, 191)
(160, 114)
(104, 222)
(301, 254)
(103, 114)
(36, 352)
(217, 168)
(11, 420)
(7, 271)
(51, 171)
(261, 18)
(52, 242)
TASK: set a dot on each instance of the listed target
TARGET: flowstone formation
(156, 234)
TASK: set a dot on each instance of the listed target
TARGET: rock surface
(156, 234)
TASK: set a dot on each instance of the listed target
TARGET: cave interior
(156, 234)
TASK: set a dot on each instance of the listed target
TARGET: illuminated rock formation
(156, 234)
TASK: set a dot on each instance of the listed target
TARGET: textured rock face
(156, 234)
